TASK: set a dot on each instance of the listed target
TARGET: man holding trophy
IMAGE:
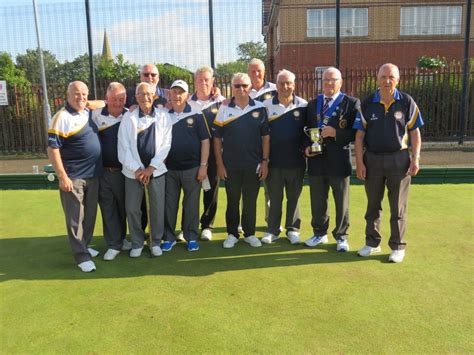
(329, 123)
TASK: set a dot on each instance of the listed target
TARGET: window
(322, 22)
(430, 20)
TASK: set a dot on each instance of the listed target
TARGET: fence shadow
(49, 258)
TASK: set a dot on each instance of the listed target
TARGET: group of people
(136, 154)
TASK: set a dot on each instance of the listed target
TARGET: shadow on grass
(49, 258)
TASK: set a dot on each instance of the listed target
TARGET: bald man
(333, 113)
(387, 127)
(75, 152)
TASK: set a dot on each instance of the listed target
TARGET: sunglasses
(238, 86)
(146, 75)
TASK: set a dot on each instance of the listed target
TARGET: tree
(9, 72)
(230, 68)
(170, 73)
(29, 63)
(249, 50)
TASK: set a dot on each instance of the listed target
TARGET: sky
(158, 31)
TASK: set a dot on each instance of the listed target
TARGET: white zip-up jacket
(135, 122)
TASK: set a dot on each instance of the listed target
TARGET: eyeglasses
(238, 86)
(146, 75)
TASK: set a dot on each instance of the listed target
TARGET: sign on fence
(3, 93)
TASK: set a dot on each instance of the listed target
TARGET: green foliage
(29, 63)
(9, 71)
(229, 68)
(249, 50)
(431, 63)
(77, 69)
(170, 73)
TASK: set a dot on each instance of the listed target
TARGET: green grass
(274, 299)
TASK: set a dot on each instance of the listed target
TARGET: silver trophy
(315, 135)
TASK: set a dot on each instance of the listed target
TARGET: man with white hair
(261, 89)
(333, 113)
(75, 152)
(112, 182)
(286, 117)
(388, 123)
(242, 147)
(144, 140)
(205, 101)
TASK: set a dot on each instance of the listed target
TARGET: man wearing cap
(203, 100)
(144, 140)
(388, 123)
(242, 147)
(286, 116)
(333, 113)
(112, 182)
(74, 150)
(187, 167)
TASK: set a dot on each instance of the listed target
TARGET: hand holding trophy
(315, 135)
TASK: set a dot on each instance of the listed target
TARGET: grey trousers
(319, 191)
(134, 193)
(112, 206)
(241, 183)
(290, 181)
(387, 170)
(80, 211)
(175, 181)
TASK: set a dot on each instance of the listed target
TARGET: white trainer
(315, 240)
(396, 256)
(135, 253)
(293, 237)
(126, 245)
(206, 234)
(269, 238)
(156, 250)
(367, 250)
(87, 266)
(342, 245)
(253, 241)
(230, 241)
(110, 254)
(93, 252)
(180, 237)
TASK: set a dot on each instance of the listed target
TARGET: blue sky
(160, 31)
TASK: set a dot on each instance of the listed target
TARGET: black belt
(388, 153)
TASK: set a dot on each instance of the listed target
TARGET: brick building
(300, 34)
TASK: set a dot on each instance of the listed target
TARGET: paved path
(429, 158)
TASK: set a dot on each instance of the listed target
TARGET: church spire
(106, 51)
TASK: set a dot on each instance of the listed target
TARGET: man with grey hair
(75, 152)
(388, 123)
(286, 117)
(144, 140)
(333, 114)
(112, 182)
(203, 100)
(242, 147)
(261, 89)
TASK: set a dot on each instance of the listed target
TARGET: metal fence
(22, 127)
